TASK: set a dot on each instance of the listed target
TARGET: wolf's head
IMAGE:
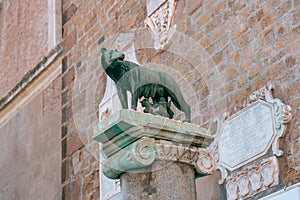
(111, 58)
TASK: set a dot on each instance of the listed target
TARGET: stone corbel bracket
(132, 141)
(282, 116)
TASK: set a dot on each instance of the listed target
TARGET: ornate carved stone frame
(254, 178)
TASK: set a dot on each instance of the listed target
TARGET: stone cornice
(33, 82)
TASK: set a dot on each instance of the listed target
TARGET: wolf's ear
(103, 50)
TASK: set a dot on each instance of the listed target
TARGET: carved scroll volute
(144, 151)
(205, 163)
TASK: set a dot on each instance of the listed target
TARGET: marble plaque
(247, 135)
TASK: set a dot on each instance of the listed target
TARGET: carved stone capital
(132, 141)
(145, 151)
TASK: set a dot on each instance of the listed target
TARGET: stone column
(173, 181)
(155, 157)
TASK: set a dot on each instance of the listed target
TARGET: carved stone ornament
(282, 113)
(199, 158)
(133, 141)
(253, 179)
(160, 15)
(145, 151)
(140, 154)
(232, 188)
(246, 136)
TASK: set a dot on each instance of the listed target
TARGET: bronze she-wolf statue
(156, 87)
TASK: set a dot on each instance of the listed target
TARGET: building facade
(52, 82)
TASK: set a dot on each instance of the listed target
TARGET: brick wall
(85, 25)
(24, 39)
(221, 52)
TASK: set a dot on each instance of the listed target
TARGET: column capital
(132, 141)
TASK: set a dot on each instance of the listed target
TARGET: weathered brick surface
(85, 25)
(68, 13)
(24, 39)
(235, 47)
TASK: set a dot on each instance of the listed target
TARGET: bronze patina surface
(155, 87)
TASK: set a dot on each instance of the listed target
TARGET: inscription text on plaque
(247, 135)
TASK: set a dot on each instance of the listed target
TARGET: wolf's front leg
(134, 101)
(123, 97)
